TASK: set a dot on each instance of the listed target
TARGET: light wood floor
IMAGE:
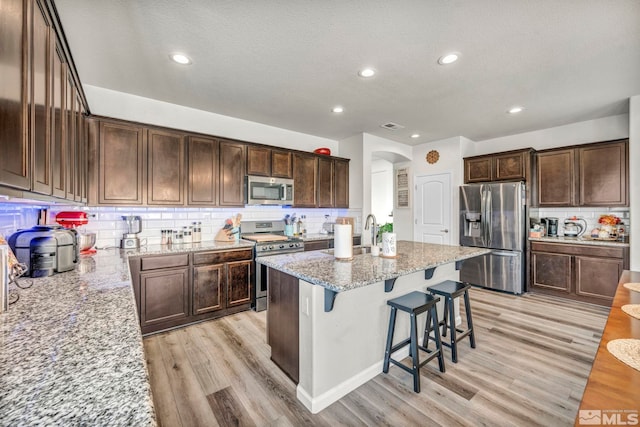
(531, 363)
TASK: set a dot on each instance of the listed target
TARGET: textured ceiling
(287, 63)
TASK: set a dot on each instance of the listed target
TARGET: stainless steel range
(270, 240)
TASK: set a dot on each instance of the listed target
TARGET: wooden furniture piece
(505, 166)
(283, 322)
(582, 272)
(138, 165)
(585, 175)
(613, 385)
(180, 289)
(42, 106)
(305, 178)
(264, 161)
(450, 290)
(414, 303)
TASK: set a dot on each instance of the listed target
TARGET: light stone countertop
(321, 268)
(579, 241)
(71, 351)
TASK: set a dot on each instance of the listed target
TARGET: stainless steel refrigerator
(492, 215)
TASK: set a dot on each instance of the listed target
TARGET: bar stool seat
(451, 289)
(414, 303)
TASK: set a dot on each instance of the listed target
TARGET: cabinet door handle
(445, 230)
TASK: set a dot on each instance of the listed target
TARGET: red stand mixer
(74, 219)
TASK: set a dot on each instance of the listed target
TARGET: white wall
(125, 106)
(604, 129)
(634, 180)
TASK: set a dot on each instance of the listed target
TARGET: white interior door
(432, 214)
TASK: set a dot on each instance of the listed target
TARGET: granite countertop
(71, 351)
(584, 240)
(321, 268)
(189, 247)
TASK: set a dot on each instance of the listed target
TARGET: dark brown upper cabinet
(202, 167)
(58, 127)
(264, 161)
(14, 144)
(40, 75)
(556, 178)
(82, 154)
(505, 166)
(165, 168)
(258, 161)
(281, 164)
(603, 174)
(588, 175)
(71, 159)
(232, 172)
(341, 183)
(121, 163)
(326, 183)
(305, 177)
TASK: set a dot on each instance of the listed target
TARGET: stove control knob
(270, 246)
(281, 246)
(291, 245)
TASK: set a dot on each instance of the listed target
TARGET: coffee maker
(550, 226)
(133, 226)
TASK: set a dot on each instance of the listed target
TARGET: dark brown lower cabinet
(176, 290)
(283, 322)
(581, 272)
(164, 296)
(208, 290)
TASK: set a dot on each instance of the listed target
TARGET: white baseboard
(317, 404)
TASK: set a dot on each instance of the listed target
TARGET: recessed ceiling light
(448, 58)
(180, 58)
(515, 110)
(337, 109)
(415, 135)
(367, 72)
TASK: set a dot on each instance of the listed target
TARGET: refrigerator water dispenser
(472, 224)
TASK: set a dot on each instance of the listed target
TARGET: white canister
(388, 244)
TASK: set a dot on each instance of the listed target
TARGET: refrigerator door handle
(505, 253)
(489, 218)
(483, 216)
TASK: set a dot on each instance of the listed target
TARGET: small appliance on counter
(74, 220)
(45, 249)
(550, 226)
(133, 227)
(574, 227)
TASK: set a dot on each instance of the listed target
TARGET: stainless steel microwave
(262, 190)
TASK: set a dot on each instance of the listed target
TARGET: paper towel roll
(388, 244)
(342, 243)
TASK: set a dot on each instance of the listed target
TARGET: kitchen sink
(357, 250)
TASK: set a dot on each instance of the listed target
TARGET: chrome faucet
(374, 228)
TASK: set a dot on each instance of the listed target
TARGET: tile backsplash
(15, 216)
(106, 222)
(590, 215)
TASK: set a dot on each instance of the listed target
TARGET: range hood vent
(392, 126)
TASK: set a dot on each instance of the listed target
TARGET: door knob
(445, 230)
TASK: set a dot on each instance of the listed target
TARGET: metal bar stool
(413, 303)
(450, 289)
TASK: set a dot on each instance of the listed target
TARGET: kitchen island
(340, 310)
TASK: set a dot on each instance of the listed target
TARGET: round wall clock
(432, 157)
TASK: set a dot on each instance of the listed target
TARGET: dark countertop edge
(336, 288)
(579, 241)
